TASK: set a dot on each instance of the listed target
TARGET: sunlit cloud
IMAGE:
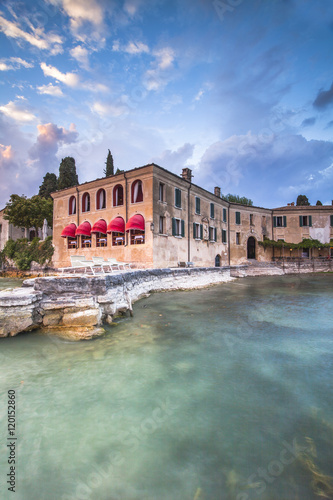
(81, 55)
(112, 109)
(14, 63)
(70, 79)
(17, 112)
(50, 89)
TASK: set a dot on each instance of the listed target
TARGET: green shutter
(201, 231)
(331, 220)
(284, 221)
(173, 226)
(194, 230)
(212, 210)
(224, 215)
(238, 218)
(214, 233)
(178, 198)
(301, 221)
(224, 236)
(274, 221)
(310, 220)
(197, 205)
(183, 227)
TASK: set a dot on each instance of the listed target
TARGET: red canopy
(117, 225)
(84, 229)
(136, 222)
(69, 231)
(99, 227)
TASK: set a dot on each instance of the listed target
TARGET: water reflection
(218, 394)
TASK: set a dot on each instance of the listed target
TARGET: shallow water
(218, 394)
(10, 283)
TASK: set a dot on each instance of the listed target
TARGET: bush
(22, 252)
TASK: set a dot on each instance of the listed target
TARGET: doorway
(217, 261)
(251, 248)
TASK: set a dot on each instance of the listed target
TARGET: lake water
(218, 394)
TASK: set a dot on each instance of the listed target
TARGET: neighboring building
(8, 231)
(154, 218)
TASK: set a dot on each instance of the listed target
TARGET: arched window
(118, 195)
(86, 202)
(100, 199)
(137, 193)
(72, 205)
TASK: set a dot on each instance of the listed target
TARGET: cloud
(50, 89)
(136, 48)
(324, 98)
(17, 112)
(81, 55)
(175, 160)
(329, 125)
(38, 38)
(112, 109)
(308, 122)
(6, 153)
(14, 63)
(70, 79)
(49, 139)
(160, 73)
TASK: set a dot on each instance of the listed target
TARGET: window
(224, 215)
(224, 236)
(118, 239)
(280, 221)
(118, 195)
(178, 227)
(212, 233)
(137, 192)
(197, 231)
(101, 240)
(100, 199)
(305, 220)
(331, 220)
(237, 238)
(72, 206)
(137, 237)
(212, 211)
(161, 193)
(161, 225)
(251, 220)
(86, 202)
(197, 205)
(71, 242)
(238, 218)
(178, 198)
(85, 241)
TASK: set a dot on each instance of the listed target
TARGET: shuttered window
(305, 220)
(331, 220)
(197, 205)
(224, 215)
(224, 236)
(178, 227)
(178, 198)
(280, 221)
(212, 210)
(238, 218)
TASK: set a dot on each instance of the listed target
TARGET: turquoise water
(10, 283)
(218, 394)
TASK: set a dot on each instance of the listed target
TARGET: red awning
(69, 231)
(117, 225)
(99, 227)
(136, 222)
(84, 229)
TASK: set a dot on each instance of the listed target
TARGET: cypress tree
(67, 173)
(109, 170)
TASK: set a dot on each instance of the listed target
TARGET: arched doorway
(251, 248)
(217, 261)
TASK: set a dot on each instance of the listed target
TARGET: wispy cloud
(14, 63)
(324, 98)
(17, 112)
(70, 79)
(50, 89)
(160, 73)
(81, 55)
(109, 109)
(38, 38)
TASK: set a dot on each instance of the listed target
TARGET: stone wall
(76, 307)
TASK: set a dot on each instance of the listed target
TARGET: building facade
(154, 218)
(9, 231)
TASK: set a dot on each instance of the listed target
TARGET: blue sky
(241, 91)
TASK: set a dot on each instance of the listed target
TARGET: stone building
(154, 218)
(9, 231)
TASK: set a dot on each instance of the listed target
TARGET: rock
(75, 334)
(87, 317)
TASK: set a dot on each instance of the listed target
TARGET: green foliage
(109, 170)
(234, 198)
(29, 212)
(118, 171)
(49, 185)
(306, 243)
(3, 259)
(318, 203)
(23, 253)
(302, 200)
(67, 173)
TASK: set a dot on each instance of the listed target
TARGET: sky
(240, 91)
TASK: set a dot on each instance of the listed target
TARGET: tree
(302, 200)
(234, 198)
(67, 173)
(29, 212)
(318, 202)
(49, 185)
(118, 171)
(109, 170)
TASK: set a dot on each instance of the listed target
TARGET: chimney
(217, 191)
(187, 174)
(288, 204)
(292, 204)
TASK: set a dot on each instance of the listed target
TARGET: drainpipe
(272, 233)
(77, 206)
(228, 222)
(188, 224)
(126, 208)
